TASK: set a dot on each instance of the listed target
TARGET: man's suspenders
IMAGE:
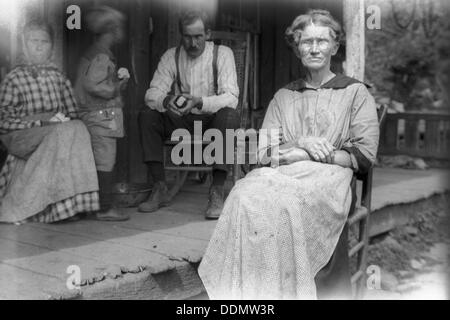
(215, 71)
(177, 59)
(214, 67)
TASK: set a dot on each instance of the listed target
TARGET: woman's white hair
(317, 17)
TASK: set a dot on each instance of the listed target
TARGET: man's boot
(215, 202)
(107, 211)
(158, 198)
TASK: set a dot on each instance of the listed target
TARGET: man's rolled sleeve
(161, 83)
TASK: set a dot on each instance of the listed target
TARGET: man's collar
(339, 81)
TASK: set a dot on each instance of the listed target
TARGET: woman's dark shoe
(158, 198)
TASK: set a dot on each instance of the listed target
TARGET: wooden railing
(416, 134)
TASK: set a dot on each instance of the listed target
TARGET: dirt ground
(413, 259)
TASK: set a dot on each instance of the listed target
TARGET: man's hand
(193, 102)
(319, 149)
(169, 105)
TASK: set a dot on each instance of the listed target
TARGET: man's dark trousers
(156, 127)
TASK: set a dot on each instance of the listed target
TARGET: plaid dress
(30, 90)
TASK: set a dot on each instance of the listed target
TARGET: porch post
(354, 24)
(54, 13)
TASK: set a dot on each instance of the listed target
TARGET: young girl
(98, 90)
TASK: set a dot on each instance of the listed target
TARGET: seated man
(205, 76)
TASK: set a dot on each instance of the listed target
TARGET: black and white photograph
(224, 150)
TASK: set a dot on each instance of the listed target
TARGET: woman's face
(316, 47)
(37, 46)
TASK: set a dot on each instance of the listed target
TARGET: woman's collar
(339, 81)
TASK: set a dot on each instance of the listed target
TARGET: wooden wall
(277, 63)
(152, 29)
(135, 54)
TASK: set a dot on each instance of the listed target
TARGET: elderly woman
(280, 225)
(49, 174)
(98, 90)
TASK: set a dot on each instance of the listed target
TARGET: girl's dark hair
(318, 17)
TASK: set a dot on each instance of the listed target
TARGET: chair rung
(356, 248)
(356, 276)
(191, 142)
(360, 212)
(195, 169)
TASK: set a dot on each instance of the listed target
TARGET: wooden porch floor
(151, 256)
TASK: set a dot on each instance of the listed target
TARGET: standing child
(98, 89)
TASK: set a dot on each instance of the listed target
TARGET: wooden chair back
(240, 44)
(361, 215)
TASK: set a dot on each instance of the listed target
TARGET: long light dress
(280, 226)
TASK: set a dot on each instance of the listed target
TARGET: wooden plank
(140, 53)
(360, 213)
(55, 14)
(75, 42)
(158, 39)
(354, 25)
(432, 143)
(180, 283)
(267, 53)
(19, 284)
(83, 246)
(446, 142)
(388, 144)
(412, 136)
(417, 116)
(164, 233)
(390, 217)
(436, 134)
(356, 276)
(283, 14)
(49, 263)
(356, 248)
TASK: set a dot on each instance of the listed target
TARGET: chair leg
(179, 182)
(362, 257)
(205, 177)
(235, 173)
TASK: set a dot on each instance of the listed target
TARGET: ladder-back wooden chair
(359, 219)
(239, 42)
